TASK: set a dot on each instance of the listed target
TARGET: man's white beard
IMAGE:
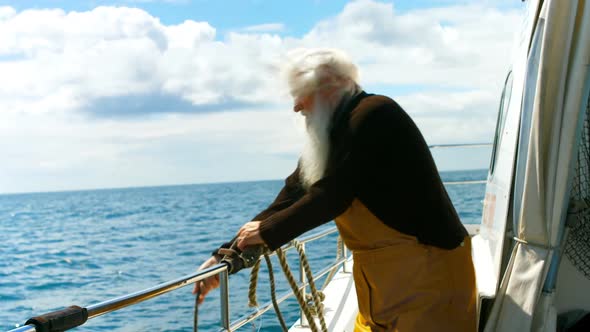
(316, 149)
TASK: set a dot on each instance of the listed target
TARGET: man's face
(325, 98)
(304, 104)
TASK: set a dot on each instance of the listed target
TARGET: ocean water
(84, 247)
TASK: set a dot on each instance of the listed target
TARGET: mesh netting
(577, 247)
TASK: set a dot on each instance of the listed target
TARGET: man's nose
(298, 107)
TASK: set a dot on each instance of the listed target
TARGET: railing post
(345, 255)
(224, 297)
(304, 290)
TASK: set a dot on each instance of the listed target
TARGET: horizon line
(176, 185)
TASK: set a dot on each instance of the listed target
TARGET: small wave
(43, 265)
(11, 297)
(116, 215)
(55, 285)
(92, 266)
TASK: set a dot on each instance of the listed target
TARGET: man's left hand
(249, 235)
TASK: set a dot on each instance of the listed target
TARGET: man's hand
(207, 285)
(249, 235)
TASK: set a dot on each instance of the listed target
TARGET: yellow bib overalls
(403, 285)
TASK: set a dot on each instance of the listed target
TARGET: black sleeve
(363, 165)
(325, 200)
(289, 194)
(355, 166)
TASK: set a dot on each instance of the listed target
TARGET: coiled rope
(309, 308)
(252, 302)
(311, 305)
(314, 292)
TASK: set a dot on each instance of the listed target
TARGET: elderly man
(366, 165)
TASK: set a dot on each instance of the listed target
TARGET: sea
(84, 247)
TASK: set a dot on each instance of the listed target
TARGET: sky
(106, 94)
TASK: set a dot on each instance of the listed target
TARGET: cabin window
(504, 101)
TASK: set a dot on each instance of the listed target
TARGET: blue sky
(299, 16)
(141, 93)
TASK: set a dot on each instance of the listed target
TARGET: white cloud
(65, 152)
(84, 93)
(453, 117)
(6, 12)
(466, 46)
(267, 27)
(110, 52)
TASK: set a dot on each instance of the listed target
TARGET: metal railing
(287, 294)
(111, 305)
(461, 145)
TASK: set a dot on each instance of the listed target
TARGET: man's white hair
(311, 70)
(329, 76)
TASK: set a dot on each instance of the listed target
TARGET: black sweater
(377, 155)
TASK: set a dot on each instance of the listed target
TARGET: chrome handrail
(102, 308)
(317, 235)
(120, 302)
(451, 183)
(460, 145)
(26, 328)
(117, 303)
